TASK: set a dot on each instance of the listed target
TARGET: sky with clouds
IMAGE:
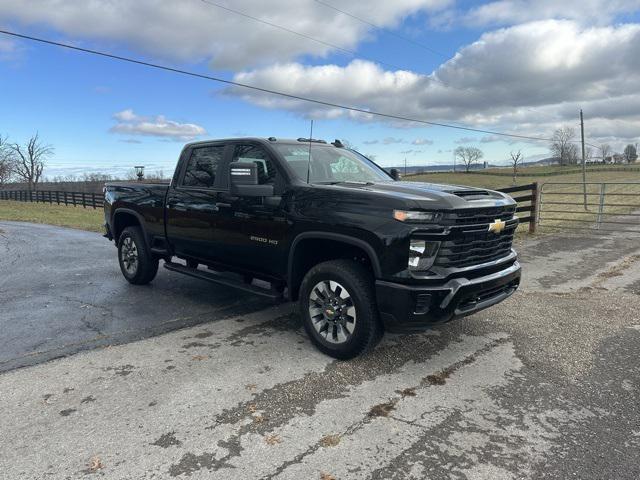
(519, 66)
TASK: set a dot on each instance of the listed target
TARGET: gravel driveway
(545, 385)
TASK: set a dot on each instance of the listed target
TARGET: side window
(202, 167)
(255, 154)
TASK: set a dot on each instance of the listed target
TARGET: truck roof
(290, 141)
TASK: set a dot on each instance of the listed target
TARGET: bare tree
(516, 159)
(468, 156)
(563, 148)
(630, 153)
(588, 154)
(6, 169)
(28, 160)
(605, 151)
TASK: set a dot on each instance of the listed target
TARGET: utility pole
(584, 162)
(405, 166)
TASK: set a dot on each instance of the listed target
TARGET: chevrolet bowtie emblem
(497, 226)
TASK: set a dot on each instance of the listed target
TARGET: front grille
(472, 216)
(472, 242)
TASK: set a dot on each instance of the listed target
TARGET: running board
(223, 280)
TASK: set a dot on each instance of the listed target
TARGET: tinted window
(257, 155)
(202, 167)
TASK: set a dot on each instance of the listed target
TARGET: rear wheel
(339, 310)
(137, 263)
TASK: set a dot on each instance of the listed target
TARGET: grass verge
(60, 215)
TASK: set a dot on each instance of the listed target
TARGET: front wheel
(137, 263)
(339, 310)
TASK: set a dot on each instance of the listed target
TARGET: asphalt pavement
(544, 385)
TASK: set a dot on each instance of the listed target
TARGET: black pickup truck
(303, 220)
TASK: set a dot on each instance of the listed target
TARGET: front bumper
(411, 308)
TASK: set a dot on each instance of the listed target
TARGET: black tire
(328, 328)
(144, 267)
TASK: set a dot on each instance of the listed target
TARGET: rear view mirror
(243, 180)
(395, 174)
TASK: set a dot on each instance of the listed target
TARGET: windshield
(331, 164)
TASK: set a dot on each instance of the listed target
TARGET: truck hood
(429, 196)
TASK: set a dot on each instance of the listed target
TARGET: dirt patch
(407, 392)
(272, 439)
(88, 399)
(167, 440)
(439, 378)
(122, 370)
(67, 412)
(330, 440)
(382, 410)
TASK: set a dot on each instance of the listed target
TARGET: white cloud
(192, 30)
(129, 123)
(465, 140)
(510, 12)
(422, 141)
(528, 79)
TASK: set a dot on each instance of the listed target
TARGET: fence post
(50, 201)
(93, 200)
(65, 197)
(534, 208)
(84, 201)
(73, 197)
(58, 197)
(600, 206)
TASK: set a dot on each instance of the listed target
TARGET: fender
(356, 242)
(140, 219)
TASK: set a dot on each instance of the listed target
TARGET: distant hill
(460, 168)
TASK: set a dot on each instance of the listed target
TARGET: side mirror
(395, 174)
(243, 182)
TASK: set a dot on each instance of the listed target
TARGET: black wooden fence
(77, 199)
(527, 201)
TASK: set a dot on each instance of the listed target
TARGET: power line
(382, 29)
(348, 51)
(269, 91)
(300, 34)
(353, 52)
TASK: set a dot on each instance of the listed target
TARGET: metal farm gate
(597, 207)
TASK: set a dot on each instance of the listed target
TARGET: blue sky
(73, 99)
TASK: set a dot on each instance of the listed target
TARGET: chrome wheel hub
(332, 311)
(129, 255)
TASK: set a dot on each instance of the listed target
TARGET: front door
(253, 229)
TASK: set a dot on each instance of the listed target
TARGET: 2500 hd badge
(320, 224)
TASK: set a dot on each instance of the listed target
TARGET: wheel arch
(125, 217)
(298, 266)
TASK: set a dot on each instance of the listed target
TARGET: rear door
(191, 206)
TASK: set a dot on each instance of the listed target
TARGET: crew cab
(361, 251)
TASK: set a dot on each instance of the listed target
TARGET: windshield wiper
(353, 182)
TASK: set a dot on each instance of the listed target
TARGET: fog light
(422, 254)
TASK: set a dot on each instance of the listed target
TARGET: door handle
(174, 206)
(223, 204)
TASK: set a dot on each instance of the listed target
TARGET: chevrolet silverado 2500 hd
(320, 224)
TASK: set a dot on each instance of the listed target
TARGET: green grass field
(64, 216)
(567, 208)
(500, 181)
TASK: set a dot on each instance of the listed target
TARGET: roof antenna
(310, 141)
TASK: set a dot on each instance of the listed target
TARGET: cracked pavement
(184, 379)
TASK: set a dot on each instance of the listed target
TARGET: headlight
(411, 216)
(422, 254)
